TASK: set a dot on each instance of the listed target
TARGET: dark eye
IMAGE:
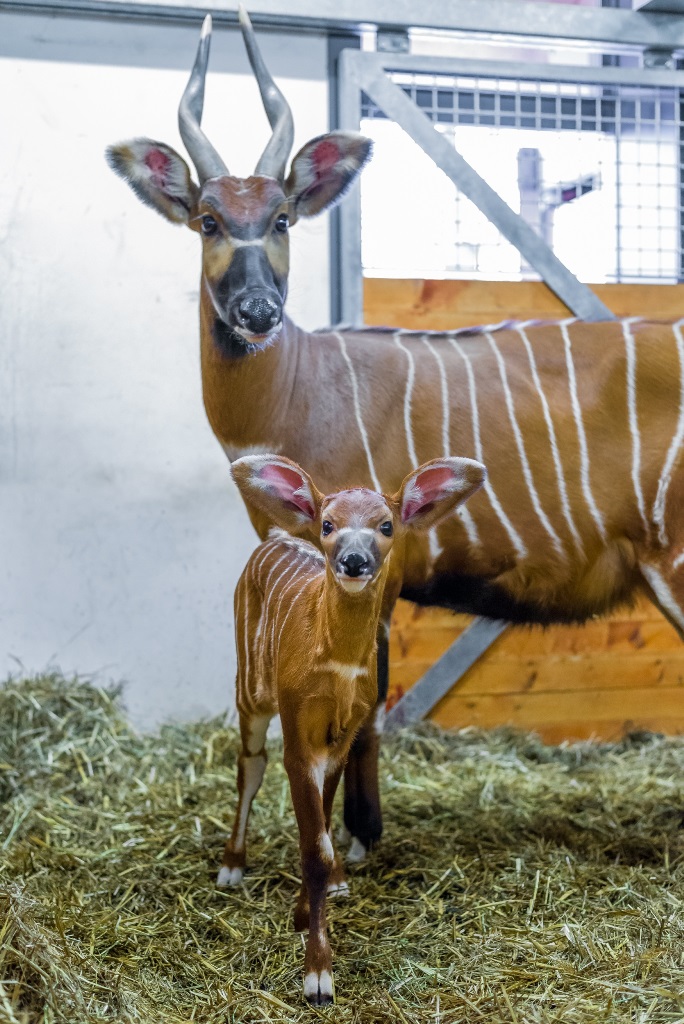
(327, 527)
(209, 225)
(386, 528)
(282, 222)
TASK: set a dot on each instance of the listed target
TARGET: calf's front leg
(306, 785)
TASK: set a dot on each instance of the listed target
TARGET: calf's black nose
(353, 564)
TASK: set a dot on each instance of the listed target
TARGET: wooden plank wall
(568, 682)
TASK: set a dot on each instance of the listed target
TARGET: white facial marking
(326, 848)
(675, 446)
(353, 585)
(357, 410)
(356, 852)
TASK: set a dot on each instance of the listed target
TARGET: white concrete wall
(121, 533)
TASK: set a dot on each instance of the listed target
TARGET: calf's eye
(209, 225)
(386, 528)
(282, 223)
(327, 527)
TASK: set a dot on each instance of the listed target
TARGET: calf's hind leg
(251, 768)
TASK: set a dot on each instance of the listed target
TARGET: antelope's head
(356, 528)
(243, 222)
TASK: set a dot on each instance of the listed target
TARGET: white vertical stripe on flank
(527, 472)
(463, 513)
(663, 593)
(287, 587)
(678, 561)
(268, 589)
(562, 488)
(516, 539)
(357, 410)
(581, 436)
(446, 442)
(292, 603)
(410, 377)
(666, 475)
(630, 352)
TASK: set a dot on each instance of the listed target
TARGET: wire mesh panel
(594, 169)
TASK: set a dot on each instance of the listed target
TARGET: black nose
(353, 564)
(258, 314)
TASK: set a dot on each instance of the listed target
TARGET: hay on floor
(514, 883)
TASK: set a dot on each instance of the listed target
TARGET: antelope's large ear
(157, 175)
(280, 489)
(323, 170)
(436, 488)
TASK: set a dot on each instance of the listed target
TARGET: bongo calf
(306, 625)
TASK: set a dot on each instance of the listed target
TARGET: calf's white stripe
(581, 436)
(663, 593)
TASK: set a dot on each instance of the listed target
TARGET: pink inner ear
(427, 488)
(324, 157)
(285, 482)
(158, 163)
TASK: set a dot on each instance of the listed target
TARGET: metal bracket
(439, 679)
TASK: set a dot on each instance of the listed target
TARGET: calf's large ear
(158, 176)
(280, 489)
(436, 488)
(323, 170)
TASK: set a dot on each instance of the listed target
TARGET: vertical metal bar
(349, 222)
(337, 42)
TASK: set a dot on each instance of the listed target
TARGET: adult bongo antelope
(580, 425)
(306, 626)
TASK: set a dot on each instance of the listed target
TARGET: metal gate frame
(368, 72)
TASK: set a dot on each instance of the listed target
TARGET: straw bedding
(515, 882)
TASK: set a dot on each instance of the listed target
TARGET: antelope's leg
(251, 767)
(362, 811)
(317, 861)
(337, 886)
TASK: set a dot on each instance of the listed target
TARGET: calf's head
(355, 528)
(243, 222)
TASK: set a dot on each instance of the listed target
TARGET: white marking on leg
(527, 472)
(379, 721)
(340, 668)
(229, 877)
(318, 772)
(562, 488)
(581, 435)
(338, 889)
(357, 410)
(663, 593)
(253, 769)
(356, 852)
(675, 446)
(630, 351)
(514, 536)
(343, 835)
(326, 848)
(408, 393)
(315, 983)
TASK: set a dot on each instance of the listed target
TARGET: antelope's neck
(246, 397)
(348, 623)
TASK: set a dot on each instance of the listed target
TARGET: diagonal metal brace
(396, 105)
(440, 677)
